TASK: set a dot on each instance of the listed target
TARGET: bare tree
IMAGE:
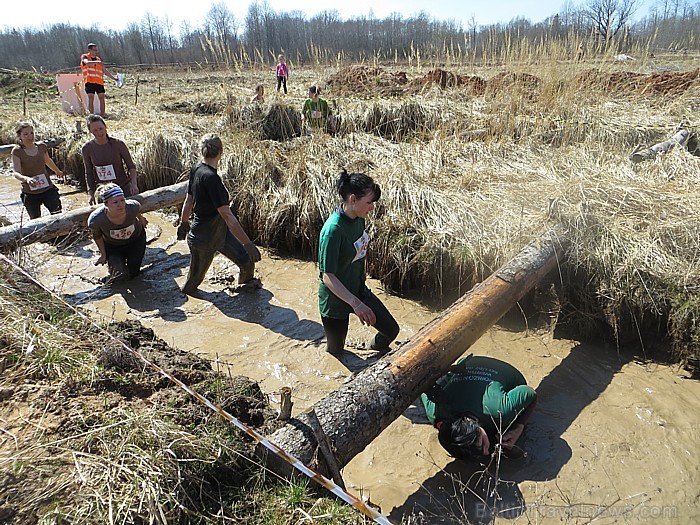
(221, 25)
(152, 27)
(609, 16)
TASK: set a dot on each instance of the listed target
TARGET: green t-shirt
(341, 251)
(492, 390)
(316, 113)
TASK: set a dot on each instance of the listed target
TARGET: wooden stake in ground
(362, 408)
(680, 138)
(49, 227)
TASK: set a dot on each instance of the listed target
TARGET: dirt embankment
(86, 422)
(368, 80)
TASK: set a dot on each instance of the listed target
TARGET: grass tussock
(91, 435)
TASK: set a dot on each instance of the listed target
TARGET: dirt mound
(362, 79)
(201, 107)
(447, 79)
(625, 81)
(523, 83)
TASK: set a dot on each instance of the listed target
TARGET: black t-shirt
(208, 191)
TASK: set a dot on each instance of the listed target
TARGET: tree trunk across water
(50, 143)
(361, 409)
(49, 227)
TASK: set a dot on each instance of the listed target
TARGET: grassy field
(474, 161)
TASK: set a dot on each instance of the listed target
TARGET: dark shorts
(33, 201)
(92, 88)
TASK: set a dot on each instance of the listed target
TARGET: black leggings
(201, 259)
(124, 260)
(282, 81)
(386, 326)
(33, 201)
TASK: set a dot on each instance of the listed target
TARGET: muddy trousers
(124, 260)
(386, 326)
(33, 201)
(201, 259)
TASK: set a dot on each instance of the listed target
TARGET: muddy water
(612, 440)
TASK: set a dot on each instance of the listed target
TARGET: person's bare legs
(91, 103)
(101, 96)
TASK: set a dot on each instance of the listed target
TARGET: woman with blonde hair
(29, 161)
(119, 232)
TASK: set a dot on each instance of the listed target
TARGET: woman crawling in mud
(119, 232)
(480, 404)
(214, 226)
(341, 263)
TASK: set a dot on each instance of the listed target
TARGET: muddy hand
(365, 314)
(253, 252)
(182, 230)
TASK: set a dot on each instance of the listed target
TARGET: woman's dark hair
(314, 89)
(95, 118)
(460, 437)
(357, 184)
(211, 145)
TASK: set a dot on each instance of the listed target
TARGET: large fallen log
(361, 409)
(49, 227)
(50, 143)
(679, 139)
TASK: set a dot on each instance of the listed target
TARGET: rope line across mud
(269, 445)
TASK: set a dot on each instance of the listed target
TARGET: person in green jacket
(316, 112)
(341, 262)
(479, 402)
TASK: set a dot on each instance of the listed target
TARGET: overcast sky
(116, 14)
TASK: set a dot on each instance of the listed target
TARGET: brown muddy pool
(613, 440)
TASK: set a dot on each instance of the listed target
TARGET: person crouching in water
(119, 232)
(481, 404)
(214, 226)
(341, 263)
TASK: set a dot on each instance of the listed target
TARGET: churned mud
(613, 439)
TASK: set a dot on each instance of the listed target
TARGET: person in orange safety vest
(93, 76)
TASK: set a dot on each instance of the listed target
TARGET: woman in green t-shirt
(341, 263)
(481, 401)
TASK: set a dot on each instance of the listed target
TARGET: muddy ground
(614, 438)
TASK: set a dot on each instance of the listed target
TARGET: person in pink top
(282, 73)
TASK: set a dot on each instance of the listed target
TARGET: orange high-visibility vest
(92, 73)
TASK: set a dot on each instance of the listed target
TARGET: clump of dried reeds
(161, 160)
(281, 122)
(399, 121)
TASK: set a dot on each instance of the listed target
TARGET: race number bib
(316, 114)
(361, 246)
(122, 234)
(105, 173)
(39, 182)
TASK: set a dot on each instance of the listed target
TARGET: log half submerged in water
(49, 227)
(361, 409)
